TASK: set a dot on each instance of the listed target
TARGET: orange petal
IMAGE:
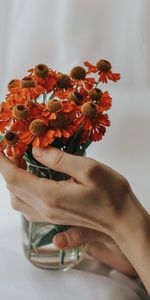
(36, 142)
(65, 134)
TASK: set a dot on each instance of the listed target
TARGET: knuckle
(76, 236)
(92, 170)
(124, 185)
(15, 203)
(29, 218)
(10, 187)
(80, 236)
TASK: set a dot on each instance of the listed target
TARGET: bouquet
(46, 108)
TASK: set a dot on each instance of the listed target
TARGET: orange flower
(63, 125)
(19, 117)
(16, 98)
(12, 145)
(13, 85)
(54, 106)
(37, 134)
(103, 68)
(105, 102)
(76, 104)
(5, 116)
(78, 75)
(44, 77)
(28, 89)
(93, 135)
(92, 122)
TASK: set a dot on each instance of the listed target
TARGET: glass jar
(38, 236)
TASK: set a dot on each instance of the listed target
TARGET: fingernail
(38, 152)
(61, 241)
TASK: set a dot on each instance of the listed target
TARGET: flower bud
(41, 70)
(11, 138)
(37, 127)
(78, 73)
(27, 82)
(104, 66)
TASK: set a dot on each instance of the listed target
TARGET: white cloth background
(61, 34)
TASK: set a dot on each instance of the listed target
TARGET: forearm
(133, 238)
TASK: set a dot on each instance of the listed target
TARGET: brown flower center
(89, 109)
(104, 66)
(20, 112)
(27, 82)
(54, 105)
(78, 73)
(59, 122)
(12, 84)
(96, 94)
(11, 138)
(76, 97)
(41, 70)
(37, 127)
(64, 81)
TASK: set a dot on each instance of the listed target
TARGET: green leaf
(48, 238)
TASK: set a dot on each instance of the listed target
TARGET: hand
(95, 197)
(98, 245)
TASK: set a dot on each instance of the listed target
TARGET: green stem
(77, 253)
(62, 256)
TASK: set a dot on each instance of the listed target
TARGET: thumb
(77, 236)
(61, 161)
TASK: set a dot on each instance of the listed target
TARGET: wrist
(133, 223)
(133, 238)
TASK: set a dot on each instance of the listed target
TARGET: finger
(103, 254)
(30, 213)
(33, 218)
(12, 172)
(77, 236)
(18, 205)
(61, 161)
(53, 214)
(29, 184)
(30, 200)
